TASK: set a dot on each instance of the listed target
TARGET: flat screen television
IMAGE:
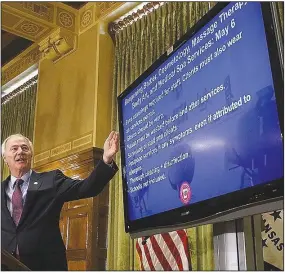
(202, 129)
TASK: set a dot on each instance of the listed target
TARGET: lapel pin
(35, 183)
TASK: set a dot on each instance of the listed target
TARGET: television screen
(200, 130)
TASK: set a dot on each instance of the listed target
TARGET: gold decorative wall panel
(87, 16)
(107, 7)
(36, 19)
(42, 156)
(65, 19)
(29, 29)
(58, 44)
(42, 10)
(64, 149)
(18, 22)
(10, 19)
(94, 12)
(22, 62)
(60, 149)
(82, 141)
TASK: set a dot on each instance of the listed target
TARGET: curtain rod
(19, 90)
(116, 26)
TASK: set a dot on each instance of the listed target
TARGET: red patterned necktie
(17, 201)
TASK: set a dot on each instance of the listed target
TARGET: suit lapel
(4, 207)
(34, 185)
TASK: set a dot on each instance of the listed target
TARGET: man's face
(18, 155)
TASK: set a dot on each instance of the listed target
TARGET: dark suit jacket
(38, 235)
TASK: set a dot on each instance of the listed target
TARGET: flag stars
(264, 243)
(276, 215)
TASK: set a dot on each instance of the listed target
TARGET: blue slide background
(242, 149)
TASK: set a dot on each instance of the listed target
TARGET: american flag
(166, 251)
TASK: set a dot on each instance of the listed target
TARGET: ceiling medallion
(86, 18)
(65, 19)
(30, 28)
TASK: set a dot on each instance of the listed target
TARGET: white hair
(19, 136)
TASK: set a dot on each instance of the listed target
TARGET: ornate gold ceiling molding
(53, 26)
(104, 8)
(21, 63)
(91, 13)
(58, 44)
(35, 20)
(87, 16)
(21, 25)
(41, 10)
(54, 47)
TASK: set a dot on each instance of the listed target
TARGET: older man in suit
(31, 202)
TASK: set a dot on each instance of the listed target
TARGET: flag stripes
(166, 251)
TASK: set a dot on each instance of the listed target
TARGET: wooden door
(83, 223)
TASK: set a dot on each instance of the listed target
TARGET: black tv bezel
(234, 200)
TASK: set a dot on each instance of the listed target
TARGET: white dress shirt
(24, 188)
